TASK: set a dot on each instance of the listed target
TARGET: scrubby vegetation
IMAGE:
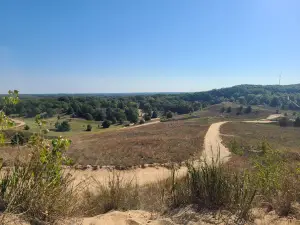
(39, 190)
(156, 143)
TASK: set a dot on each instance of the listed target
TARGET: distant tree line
(118, 109)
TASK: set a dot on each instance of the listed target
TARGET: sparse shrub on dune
(116, 194)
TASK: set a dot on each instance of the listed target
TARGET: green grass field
(78, 126)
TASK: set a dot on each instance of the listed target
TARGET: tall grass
(116, 194)
(213, 186)
(26, 191)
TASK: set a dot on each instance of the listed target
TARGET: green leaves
(61, 143)
(12, 98)
(2, 138)
(5, 122)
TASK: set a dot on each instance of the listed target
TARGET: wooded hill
(122, 108)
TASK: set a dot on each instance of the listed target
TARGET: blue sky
(68, 46)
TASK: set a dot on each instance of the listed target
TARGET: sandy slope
(141, 176)
(132, 217)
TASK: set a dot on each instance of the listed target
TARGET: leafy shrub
(297, 122)
(147, 117)
(88, 116)
(113, 120)
(283, 122)
(154, 115)
(142, 121)
(18, 139)
(228, 110)
(248, 109)
(106, 124)
(169, 115)
(89, 127)
(26, 127)
(63, 127)
(239, 110)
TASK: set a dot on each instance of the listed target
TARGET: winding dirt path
(153, 121)
(213, 147)
(19, 123)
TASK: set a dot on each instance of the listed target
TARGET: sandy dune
(132, 217)
(140, 176)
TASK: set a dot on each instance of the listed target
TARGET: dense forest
(125, 107)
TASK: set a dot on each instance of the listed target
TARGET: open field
(78, 126)
(173, 141)
(250, 134)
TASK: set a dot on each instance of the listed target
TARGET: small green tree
(89, 127)
(147, 117)
(154, 115)
(113, 120)
(64, 126)
(106, 124)
(283, 122)
(229, 109)
(248, 109)
(57, 124)
(297, 122)
(26, 127)
(239, 110)
(88, 116)
(222, 110)
(169, 115)
(132, 115)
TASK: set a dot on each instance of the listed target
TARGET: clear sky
(68, 46)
